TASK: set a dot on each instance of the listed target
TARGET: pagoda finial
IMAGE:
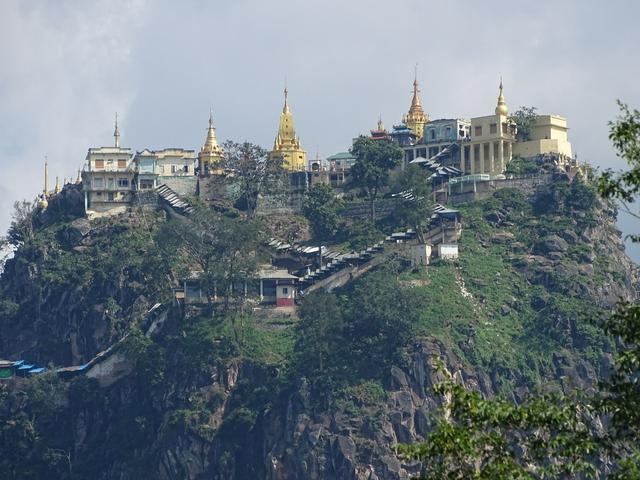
(501, 107)
(285, 109)
(57, 189)
(79, 178)
(116, 133)
(45, 192)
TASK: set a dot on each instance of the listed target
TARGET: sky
(68, 66)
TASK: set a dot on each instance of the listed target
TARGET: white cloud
(67, 66)
(65, 72)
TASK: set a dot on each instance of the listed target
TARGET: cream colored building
(490, 147)
(548, 136)
(108, 178)
(175, 162)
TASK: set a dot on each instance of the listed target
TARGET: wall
(384, 207)
(448, 250)
(533, 148)
(527, 185)
(181, 185)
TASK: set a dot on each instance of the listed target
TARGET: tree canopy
(524, 118)
(321, 208)
(374, 160)
(255, 173)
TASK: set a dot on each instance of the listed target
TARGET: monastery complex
(457, 150)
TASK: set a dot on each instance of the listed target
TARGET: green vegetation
(374, 160)
(555, 436)
(256, 173)
(524, 118)
(522, 166)
(321, 208)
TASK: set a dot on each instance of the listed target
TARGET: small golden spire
(57, 189)
(285, 109)
(416, 118)
(501, 107)
(116, 133)
(380, 124)
(211, 154)
(79, 178)
(45, 192)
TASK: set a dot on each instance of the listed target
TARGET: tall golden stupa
(287, 143)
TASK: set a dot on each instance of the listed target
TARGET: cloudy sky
(68, 66)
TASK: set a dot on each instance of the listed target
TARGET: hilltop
(324, 393)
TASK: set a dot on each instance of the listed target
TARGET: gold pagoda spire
(416, 119)
(43, 203)
(45, 192)
(501, 107)
(211, 154)
(116, 133)
(78, 178)
(57, 189)
(287, 144)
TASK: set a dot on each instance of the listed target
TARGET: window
(493, 128)
(99, 164)
(122, 163)
(146, 184)
(448, 130)
(99, 194)
(123, 182)
(477, 132)
(186, 169)
(173, 169)
(111, 196)
(285, 291)
(433, 133)
(98, 183)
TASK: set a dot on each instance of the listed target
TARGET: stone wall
(384, 207)
(180, 185)
(468, 193)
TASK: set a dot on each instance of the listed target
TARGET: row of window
(122, 164)
(99, 164)
(121, 183)
(493, 129)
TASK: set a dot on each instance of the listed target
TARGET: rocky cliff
(207, 399)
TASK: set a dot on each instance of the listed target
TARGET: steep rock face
(300, 442)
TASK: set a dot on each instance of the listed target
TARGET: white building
(109, 177)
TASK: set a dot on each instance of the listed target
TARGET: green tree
(220, 248)
(319, 332)
(21, 229)
(255, 173)
(545, 437)
(374, 160)
(321, 208)
(415, 213)
(381, 319)
(524, 118)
